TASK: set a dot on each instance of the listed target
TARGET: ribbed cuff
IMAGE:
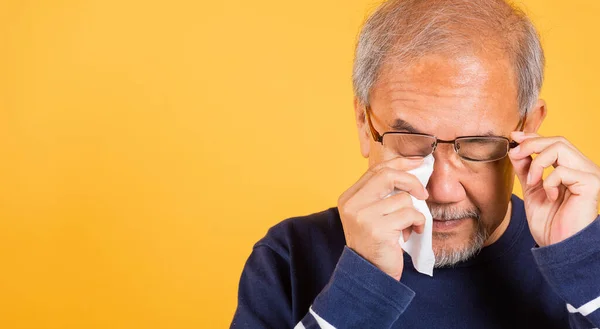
(572, 266)
(359, 295)
(579, 246)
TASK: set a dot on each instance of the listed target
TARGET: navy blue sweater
(301, 275)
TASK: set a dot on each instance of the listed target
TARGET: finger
(398, 163)
(420, 229)
(576, 181)
(403, 164)
(388, 205)
(390, 226)
(406, 233)
(557, 154)
(519, 136)
(521, 167)
(384, 183)
(402, 219)
(388, 180)
(530, 144)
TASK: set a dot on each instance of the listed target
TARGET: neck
(501, 228)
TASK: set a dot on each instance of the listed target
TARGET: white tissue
(419, 246)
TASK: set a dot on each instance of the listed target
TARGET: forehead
(448, 95)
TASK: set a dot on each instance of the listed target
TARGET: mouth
(447, 224)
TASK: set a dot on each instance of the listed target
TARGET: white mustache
(452, 213)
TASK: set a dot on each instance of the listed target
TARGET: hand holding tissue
(419, 246)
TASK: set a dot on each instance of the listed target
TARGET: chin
(453, 247)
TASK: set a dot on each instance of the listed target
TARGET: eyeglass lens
(468, 148)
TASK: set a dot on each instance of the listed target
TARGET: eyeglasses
(470, 148)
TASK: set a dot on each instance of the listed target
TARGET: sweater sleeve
(572, 268)
(358, 295)
(264, 292)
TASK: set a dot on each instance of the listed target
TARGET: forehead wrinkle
(447, 96)
(444, 78)
(424, 102)
(416, 123)
(410, 92)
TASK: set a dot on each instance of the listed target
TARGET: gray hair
(404, 30)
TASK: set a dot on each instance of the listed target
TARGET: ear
(535, 117)
(364, 136)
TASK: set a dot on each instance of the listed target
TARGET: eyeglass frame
(379, 137)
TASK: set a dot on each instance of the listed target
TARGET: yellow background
(146, 145)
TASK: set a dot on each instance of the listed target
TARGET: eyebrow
(404, 126)
(490, 133)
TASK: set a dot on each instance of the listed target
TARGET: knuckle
(360, 216)
(345, 213)
(412, 179)
(347, 210)
(559, 171)
(556, 146)
(388, 173)
(375, 169)
(406, 212)
(418, 217)
(417, 214)
(595, 182)
(341, 201)
(403, 198)
(554, 176)
(547, 184)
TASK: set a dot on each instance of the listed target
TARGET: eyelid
(483, 137)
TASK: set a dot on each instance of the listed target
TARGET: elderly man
(458, 79)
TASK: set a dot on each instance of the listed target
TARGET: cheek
(490, 182)
(491, 190)
(379, 154)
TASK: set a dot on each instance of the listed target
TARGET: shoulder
(314, 233)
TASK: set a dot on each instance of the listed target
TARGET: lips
(447, 224)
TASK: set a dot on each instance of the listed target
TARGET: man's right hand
(372, 224)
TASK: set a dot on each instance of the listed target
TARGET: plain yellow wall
(146, 145)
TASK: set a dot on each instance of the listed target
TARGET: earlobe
(536, 116)
(363, 133)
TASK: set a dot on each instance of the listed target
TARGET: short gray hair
(404, 30)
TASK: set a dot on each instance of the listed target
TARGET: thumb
(521, 167)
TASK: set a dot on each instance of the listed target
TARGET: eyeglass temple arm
(374, 133)
(520, 127)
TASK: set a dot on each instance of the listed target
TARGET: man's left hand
(567, 200)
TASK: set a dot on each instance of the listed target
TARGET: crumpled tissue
(419, 246)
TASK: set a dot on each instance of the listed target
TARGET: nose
(445, 183)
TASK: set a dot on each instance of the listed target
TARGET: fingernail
(529, 179)
(516, 150)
